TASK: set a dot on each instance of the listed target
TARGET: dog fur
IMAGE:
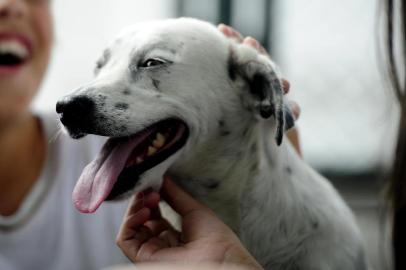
(230, 96)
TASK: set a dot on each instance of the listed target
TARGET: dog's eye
(152, 62)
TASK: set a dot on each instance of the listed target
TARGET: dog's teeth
(139, 160)
(151, 150)
(159, 141)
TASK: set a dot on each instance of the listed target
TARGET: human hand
(145, 236)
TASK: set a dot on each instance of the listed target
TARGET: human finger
(286, 86)
(230, 32)
(178, 199)
(131, 223)
(149, 248)
(295, 109)
(143, 199)
(133, 234)
(158, 226)
(171, 237)
(250, 41)
(137, 214)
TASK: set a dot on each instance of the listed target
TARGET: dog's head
(159, 88)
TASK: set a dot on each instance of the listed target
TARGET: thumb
(178, 199)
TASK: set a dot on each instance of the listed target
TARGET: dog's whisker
(55, 136)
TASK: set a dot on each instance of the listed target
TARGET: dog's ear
(289, 118)
(265, 89)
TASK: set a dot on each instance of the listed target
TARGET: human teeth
(159, 141)
(151, 151)
(13, 47)
(139, 160)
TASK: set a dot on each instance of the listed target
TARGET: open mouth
(120, 163)
(13, 53)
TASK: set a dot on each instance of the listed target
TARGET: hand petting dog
(145, 236)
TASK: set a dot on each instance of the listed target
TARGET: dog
(178, 97)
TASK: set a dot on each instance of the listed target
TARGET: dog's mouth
(121, 161)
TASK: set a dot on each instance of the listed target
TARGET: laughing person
(39, 227)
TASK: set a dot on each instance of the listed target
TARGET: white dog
(178, 97)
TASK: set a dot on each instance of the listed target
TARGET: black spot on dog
(156, 84)
(126, 92)
(223, 130)
(254, 167)
(123, 129)
(253, 148)
(225, 133)
(245, 132)
(121, 106)
(211, 184)
(232, 66)
(102, 118)
(101, 98)
(315, 225)
(288, 170)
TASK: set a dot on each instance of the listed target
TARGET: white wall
(83, 29)
(328, 50)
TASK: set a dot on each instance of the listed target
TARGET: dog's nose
(75, 110)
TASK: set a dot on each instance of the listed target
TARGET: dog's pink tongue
(99, 177)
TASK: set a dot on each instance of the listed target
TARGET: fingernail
(252, 42)
(226, 30)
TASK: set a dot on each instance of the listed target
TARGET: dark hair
(397, 10)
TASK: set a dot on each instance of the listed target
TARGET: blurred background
(328, 49)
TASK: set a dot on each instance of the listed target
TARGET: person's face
(25, 43)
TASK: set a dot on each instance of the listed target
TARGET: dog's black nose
(75, 111)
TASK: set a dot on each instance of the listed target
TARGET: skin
(146, 237)
(22, 142)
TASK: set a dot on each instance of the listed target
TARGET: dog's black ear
(265, 95)
(267, 91)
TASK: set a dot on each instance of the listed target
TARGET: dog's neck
(220, 172)
(276, 209)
